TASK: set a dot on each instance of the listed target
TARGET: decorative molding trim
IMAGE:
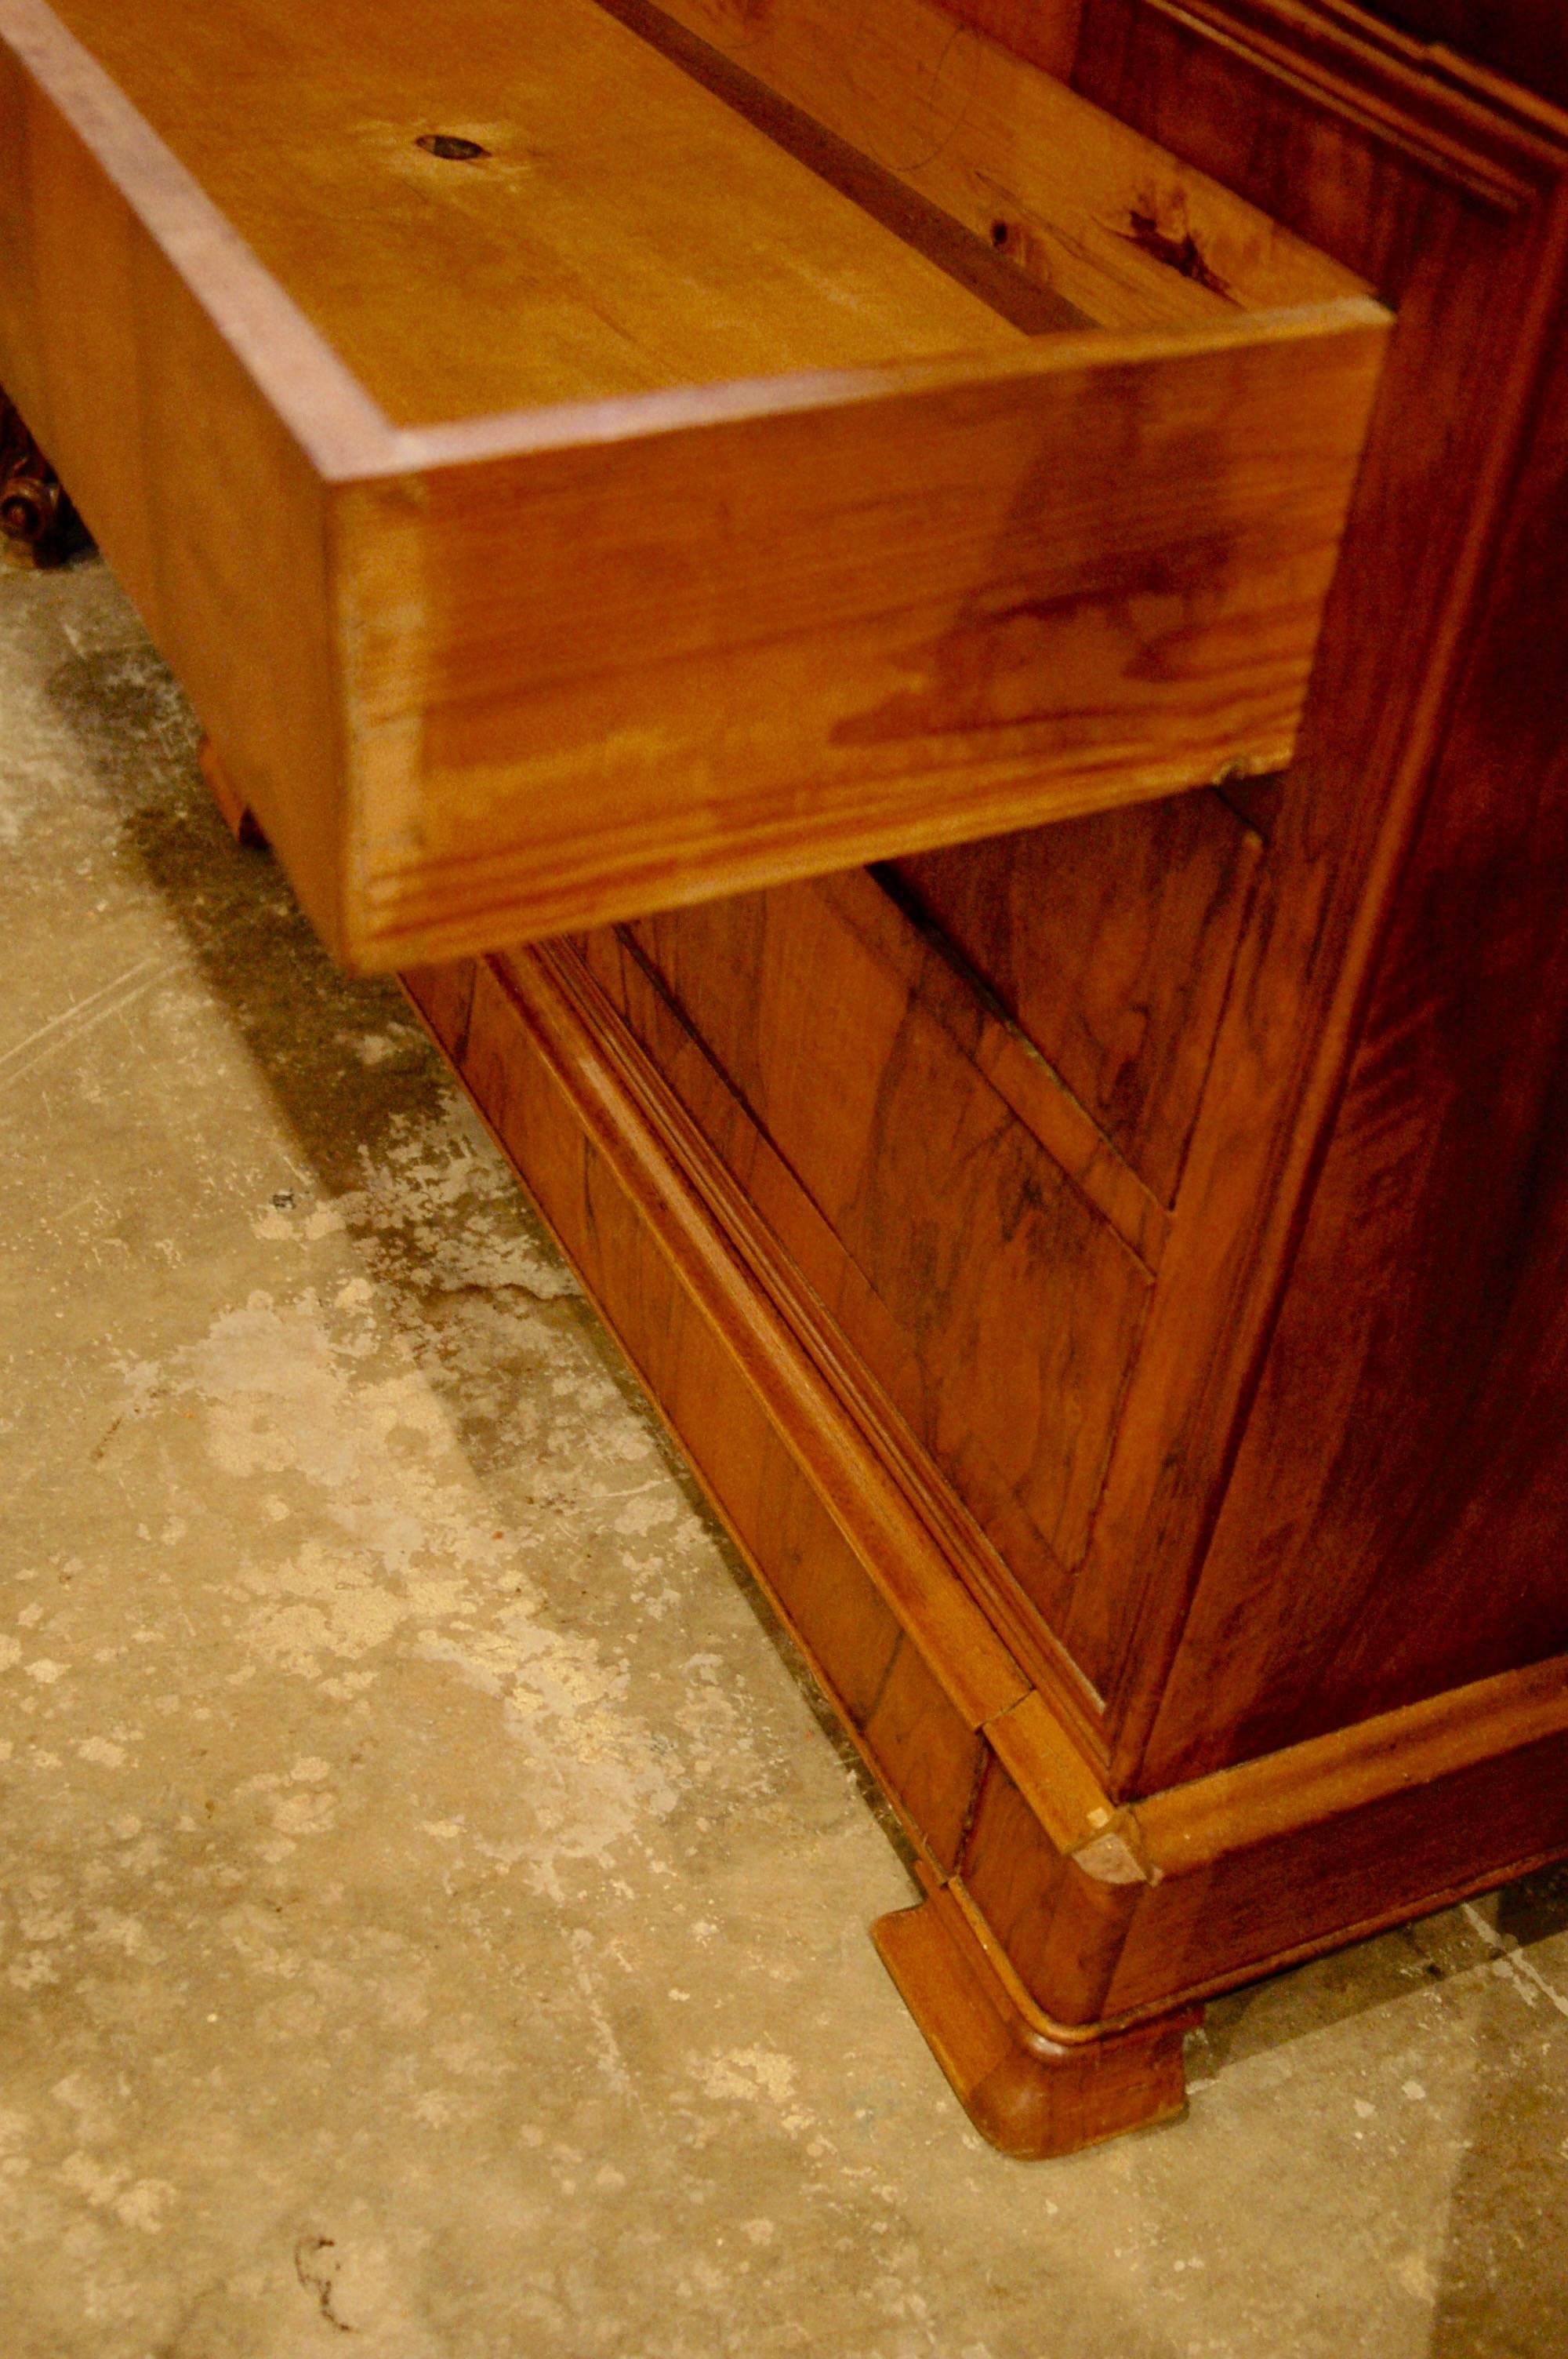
(1455, 122)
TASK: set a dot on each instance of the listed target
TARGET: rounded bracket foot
(1031, 2095)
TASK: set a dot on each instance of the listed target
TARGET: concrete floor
(433, 1910)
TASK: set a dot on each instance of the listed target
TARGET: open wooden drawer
(581, 458)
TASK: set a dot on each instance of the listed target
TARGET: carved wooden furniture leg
(238, 817)
(1034, 2089)
(33, 509)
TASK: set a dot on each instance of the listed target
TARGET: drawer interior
(584, 456)
(624, 228)
(648, 209)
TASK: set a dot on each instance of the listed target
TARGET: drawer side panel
(203, 501)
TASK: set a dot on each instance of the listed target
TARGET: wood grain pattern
(569, 262)
(877, 908)
(1109, 942)
(1044, 33)
(197, 488)
(1456, 198)
(978, 259)
(1333, 1840)
(1235, 1874)
(1368, 1212)
(714, 1322)
(1087, 1916)
(1405, 1461)
(1061, 1928)
(57, 92)
(768, 646)
(1339, 127)
(793, 1223)
(965, 1231)
(1128, 236)
(592, 658)
(499, 675)
(1032, 2097)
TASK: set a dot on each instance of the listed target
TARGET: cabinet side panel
(1399, 1518)
(1446, 193)
(1012, 1573)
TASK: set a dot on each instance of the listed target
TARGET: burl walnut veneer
(1103, 464)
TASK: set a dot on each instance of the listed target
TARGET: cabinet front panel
(1109, 941)
(998, 1309)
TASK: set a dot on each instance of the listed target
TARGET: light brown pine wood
(627, 672)
(493, 676)
(625, 229)
(187, 461)
(1127, 232)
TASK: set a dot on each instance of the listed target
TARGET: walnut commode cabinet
(984, 584)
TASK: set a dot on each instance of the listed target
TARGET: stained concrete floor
(433, 1911)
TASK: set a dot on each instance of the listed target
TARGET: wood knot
(450, 149)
